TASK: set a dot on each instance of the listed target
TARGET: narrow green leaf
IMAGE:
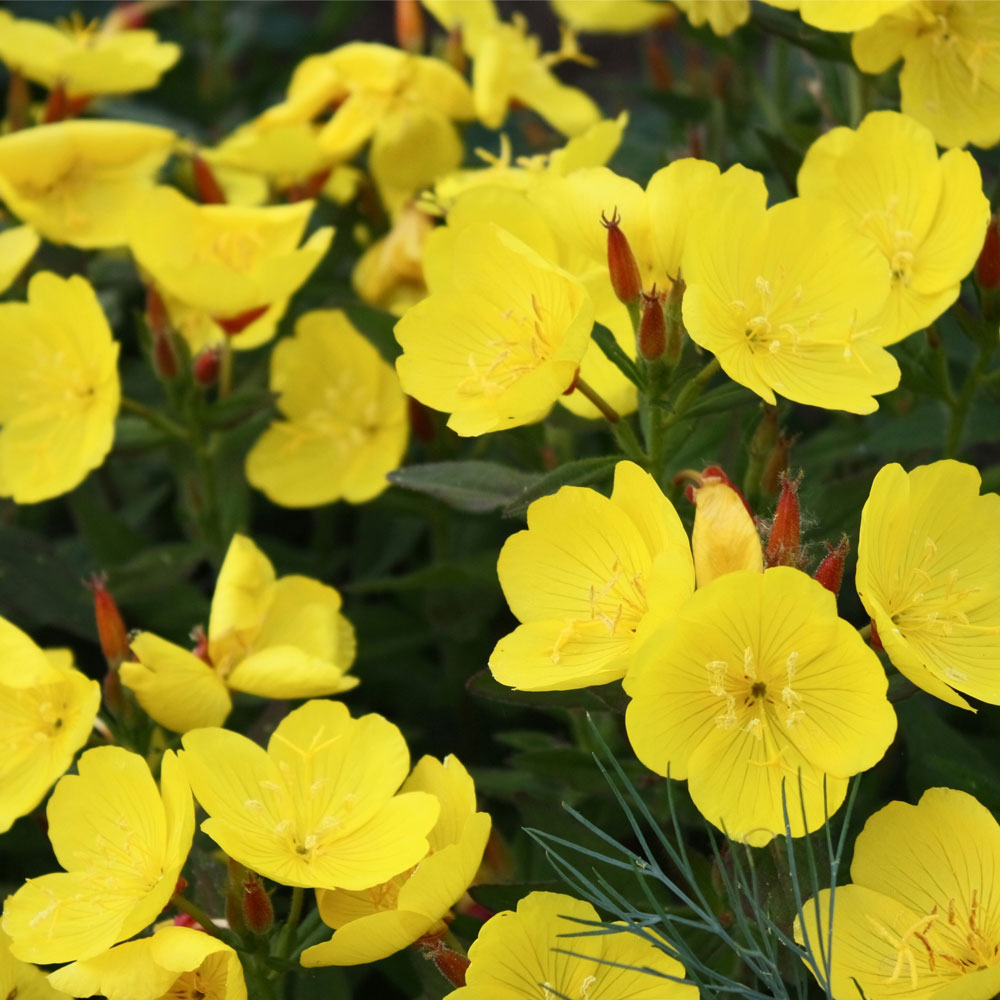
(473, 486)
(582, 472)
(606, 341)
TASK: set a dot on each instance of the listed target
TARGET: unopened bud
(258, 912)
(651, 340)
(56, 106)
(988, 265)
(110, 626)
(450, 964)
(410, 31)
(237, 324)
(830, 571)
(209, 190)
(625, 277)
(165, 362)
(786, 528)
(205, 367)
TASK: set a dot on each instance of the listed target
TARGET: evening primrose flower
(229, 262)
(345, 425)
(928, 553)
(122, 842)
(77, 181)
(763, 296)
(522, 953)
(21, 980)
(373, 923)
(173, 963)
(84, 59)
(275, 638)
(17, 246)
(319, 807)
(755, 686)
(583, 578)
(928, 216)
(722, 16)
(59, 388)
(950, 80)
(921, 917)
(47, 709)
(497, 348)
(840, 15)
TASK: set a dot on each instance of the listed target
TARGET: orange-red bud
(205, 367)
(110, 626)
(786, 529)
(651, 340)
(209, 190)
(410, 31)
(830, 571)
(449, 963)
(625, 278)
(988, 265)
(258, 911)
(237, 324)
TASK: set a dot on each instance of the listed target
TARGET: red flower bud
(449, 963)
(625, 278)
(830, 571)
(410, 31)
(988, 265)
(651, 340)
(110, 627)
(237, 324)
(205, 367)
(783, 541)
(258, 912)
(209, 190)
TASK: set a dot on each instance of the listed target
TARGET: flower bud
(237, 324)
(450, 964)
(110, 627)
(651, 340)
(830, 571)
(410, 31)
(258, 912)
(988, 265)
(209, 190)
(786, 528)
(205, 367)
(625, 278)
(165, 362)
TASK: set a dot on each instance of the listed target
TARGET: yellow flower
(123, 844)
(840, 15)
(724, 537)
(275, 638)
(22, 981)
(390, 274)
(612, 16)
(318, 808)
(77, 181)
(928, 216)
(787, 299)
(583, 578)
(47, 709)
(59, 388)
(921, 917)
(85, 59)
(950, 79)
(226, 261)
(522, 954)
(17, 246)
(346, 423)
(174, 963)
(754, 683)
(928, 553)
(509, 66)
(373, 923)
(498, 347)
(722, 16)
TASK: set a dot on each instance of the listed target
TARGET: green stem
(960, 405)
(226, 369)
(286, 937)
(155, 419)
(590, 393)
(192, 909)
(628, 442)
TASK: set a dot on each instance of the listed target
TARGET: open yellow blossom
(766, 295)
(85, 59)
(921, 916)
(77, 181)
(755, 685)
(928, 216)
(346, 423)
(226, 261)
(275, 638)
(17, 246)
(508, 66)
(928, 553)
(840, 15)
(950, 80)
(319, 807)
(521, 954)
(122, 842)
(498, 347)
(23, 981)
(171, 964)
(59, 388)
(612, 16)
(47, 709)
(582, 579)
(722, 16)
(373, 923)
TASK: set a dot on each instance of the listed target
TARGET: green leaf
(483, 685)
(478, 570)
(790, 27)
(723, 399)
(606, 341)
(578, 473)
(239, 407)
(507, 896)
(473, 486)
